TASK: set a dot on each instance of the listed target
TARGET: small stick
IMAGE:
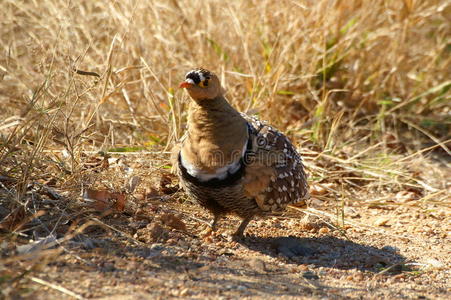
(86, 73)
(57, 287)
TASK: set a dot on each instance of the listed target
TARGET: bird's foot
(239, 233)
(214, 223)
(237, 236)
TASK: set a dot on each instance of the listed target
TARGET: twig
(389, 268)
(429, 135)
(424, 150)
(57, 287)
(85, 73)
(95, 220)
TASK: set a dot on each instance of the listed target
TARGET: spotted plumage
(285, 182)
(233, 163)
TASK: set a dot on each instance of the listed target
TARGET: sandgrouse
(233, 163)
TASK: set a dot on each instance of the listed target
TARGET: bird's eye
(203, 84)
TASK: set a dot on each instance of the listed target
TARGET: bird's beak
(185, 85)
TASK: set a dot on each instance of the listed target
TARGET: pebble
(303, 267)
(184, 292)
(290, 247)
(155, 230)
(310, 275)
(208, 239)
(324, 230)
(399, 277)
(257, 265)
(358, 277)
(173, 221)
(405, 196)
(351, 212)
(206, 232)
(435, 263)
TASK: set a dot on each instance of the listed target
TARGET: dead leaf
(103, 200)
(300, 204)
(317, 190)
(97, 163)
(166, 185)
(120, 201)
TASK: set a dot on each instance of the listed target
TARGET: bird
(233, 163)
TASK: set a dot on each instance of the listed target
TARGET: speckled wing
(274, 175)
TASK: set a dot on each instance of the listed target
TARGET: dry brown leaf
(317, 190)
(103, 200)
(121, 200)
(97, 163)
(149, 194)
(166, 184)
(300, 204)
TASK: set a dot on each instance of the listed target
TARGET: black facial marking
(194, 75)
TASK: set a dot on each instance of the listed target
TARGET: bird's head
(202, 85)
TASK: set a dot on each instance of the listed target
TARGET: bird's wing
(274, 174)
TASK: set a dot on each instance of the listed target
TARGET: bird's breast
(206, 163)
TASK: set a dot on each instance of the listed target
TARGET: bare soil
(160, 246)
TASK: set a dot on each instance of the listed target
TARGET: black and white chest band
(224, 175)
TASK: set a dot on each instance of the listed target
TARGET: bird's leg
(240, 231)
(214, 223)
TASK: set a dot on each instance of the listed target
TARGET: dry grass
(362, 86)
(333, 72)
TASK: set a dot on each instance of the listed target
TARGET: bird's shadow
(328, 251)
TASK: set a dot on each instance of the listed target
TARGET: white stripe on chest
(220, 173)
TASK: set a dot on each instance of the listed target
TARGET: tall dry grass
(357, 83)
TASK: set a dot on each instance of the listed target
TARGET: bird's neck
(217, 134)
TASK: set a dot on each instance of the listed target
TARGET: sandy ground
(166, 250)
(383, 246)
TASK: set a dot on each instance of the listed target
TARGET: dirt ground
(160, 246)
